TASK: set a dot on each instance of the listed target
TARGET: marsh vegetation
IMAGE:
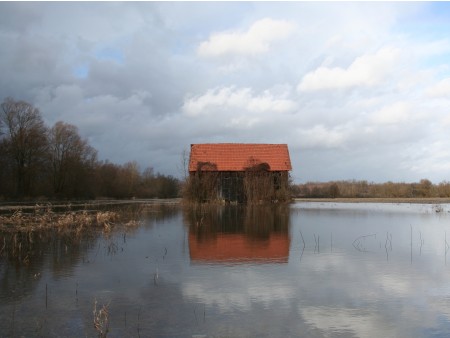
(255, 185)
(424, 189)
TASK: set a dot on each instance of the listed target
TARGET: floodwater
(304, 270)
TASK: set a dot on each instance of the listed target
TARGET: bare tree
(26, 141)
(130, 178)
(69, 154)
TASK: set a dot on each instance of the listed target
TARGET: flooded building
(238, 172)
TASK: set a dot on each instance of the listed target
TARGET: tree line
(363, 189)
(56, 162)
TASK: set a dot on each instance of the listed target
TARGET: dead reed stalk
(101, 319)
(62, 221)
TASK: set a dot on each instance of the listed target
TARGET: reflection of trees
(261, 222)
(257, 221)
(24, 254)
(161, 212)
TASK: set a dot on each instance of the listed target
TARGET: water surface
(304, 270)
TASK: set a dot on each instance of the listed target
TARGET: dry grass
(69, 220)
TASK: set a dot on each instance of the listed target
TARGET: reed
(23, 229)
(101, 319)
(358, 242)
(76, 220)
(139, 322)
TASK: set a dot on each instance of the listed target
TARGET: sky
(357, 90)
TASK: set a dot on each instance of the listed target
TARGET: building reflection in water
(234, 234)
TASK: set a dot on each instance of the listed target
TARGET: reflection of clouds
(406, 321)
(367, 294)
(224, 300)
(364, 279)
(267, 294)
(238, 290)
(398, 285)
(441, 305)
(354, 322)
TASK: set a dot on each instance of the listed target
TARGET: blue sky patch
(111, 54)
(81, 71)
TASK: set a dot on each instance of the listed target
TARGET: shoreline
(34, 205)
(29, 205)
(413, 200)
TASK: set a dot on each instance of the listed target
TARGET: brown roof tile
(239, 156)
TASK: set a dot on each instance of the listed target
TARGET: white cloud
(397, 112)
(256, 40)
(320, 136)
(221, 99)
(367, 70)
(431, 157)
(432, 48)
(440, 89)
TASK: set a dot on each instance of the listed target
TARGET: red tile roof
(238, 156)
